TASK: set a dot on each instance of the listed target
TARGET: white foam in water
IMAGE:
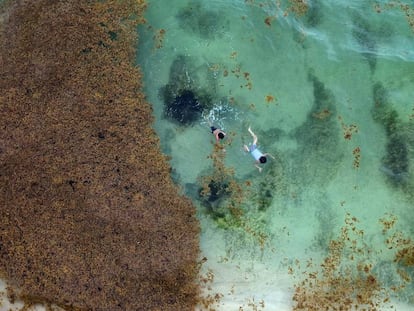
(264, 77)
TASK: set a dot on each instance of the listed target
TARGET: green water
(321, 91)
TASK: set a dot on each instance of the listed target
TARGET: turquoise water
(330, 95)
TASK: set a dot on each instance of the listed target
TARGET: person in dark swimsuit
(218, 133)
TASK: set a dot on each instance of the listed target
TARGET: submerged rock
(184, 107)
(214, 199)
(184, 98)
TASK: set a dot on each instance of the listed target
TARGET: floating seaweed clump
(406, 255)
(298, 7)
(345, 280)
(396, 240)
(400, 271)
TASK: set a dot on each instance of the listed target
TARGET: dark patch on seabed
(314, 14)
(184, 97)
(203, 22)
(326, 216)
(215, 201)
(319, 150)
(395, 163)
(363, 34)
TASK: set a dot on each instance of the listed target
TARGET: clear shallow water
(310, 87)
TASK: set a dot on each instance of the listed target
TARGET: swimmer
(219, 134)
(260, 158)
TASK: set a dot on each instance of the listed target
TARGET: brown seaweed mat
(89, 217)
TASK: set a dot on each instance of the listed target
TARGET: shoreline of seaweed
(87, 220)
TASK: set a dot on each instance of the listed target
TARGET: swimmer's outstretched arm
(253, 135)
